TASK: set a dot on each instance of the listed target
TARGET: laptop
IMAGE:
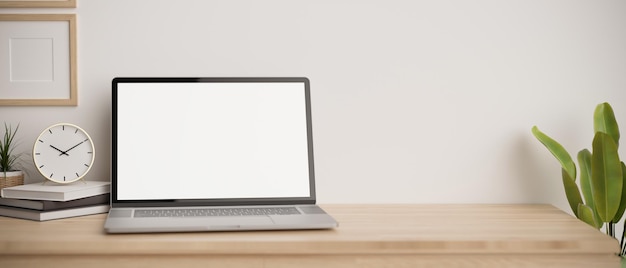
(212, 154)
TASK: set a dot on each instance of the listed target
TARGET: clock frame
(63, 153)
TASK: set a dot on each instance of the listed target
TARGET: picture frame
(41, 67)
(37, 3)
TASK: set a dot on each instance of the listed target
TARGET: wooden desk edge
(351, 235)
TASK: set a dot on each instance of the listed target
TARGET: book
(57, 192)
(45, 205)
(38, 215)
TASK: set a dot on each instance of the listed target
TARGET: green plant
(7, 146)
(602, 175)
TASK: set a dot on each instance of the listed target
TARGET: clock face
(63, 153)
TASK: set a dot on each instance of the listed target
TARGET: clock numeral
(51, 174)
(41, 141)
(76, 131)
(63, 178)
(63, 128)
(41, 166)
(86, 165)
(50, 130)
(77, 175)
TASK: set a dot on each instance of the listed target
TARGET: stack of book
(49, 201)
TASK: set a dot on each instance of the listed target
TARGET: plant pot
(11, 178)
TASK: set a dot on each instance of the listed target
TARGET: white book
(37, 215)
(57, 192)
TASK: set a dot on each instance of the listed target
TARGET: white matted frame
(37, 3)
(40, 65)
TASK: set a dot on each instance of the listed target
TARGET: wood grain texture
(368, 236)
(38, 4)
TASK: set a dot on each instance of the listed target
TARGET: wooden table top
(363, 229)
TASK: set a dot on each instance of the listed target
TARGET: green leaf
(622, 204)
(559, 152)
(604, 121)
(7, 158)
(571, 192)
(606, 176)
(585, 213)
(584, 162)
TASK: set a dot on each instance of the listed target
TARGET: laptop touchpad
(239, 221)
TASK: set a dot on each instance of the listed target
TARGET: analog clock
(63, 153)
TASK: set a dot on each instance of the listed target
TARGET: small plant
(7, 158)
(602, 175)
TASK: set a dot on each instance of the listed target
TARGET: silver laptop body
(212, 154)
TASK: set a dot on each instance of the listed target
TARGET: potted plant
(9, 174)
(602, 175)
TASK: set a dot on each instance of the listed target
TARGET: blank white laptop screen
(212, 140)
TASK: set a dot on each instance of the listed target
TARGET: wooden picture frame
(41, 60)
(38, 3)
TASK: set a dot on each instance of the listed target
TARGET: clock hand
(65, 152)
(62, 152)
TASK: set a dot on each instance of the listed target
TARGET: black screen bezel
(115, 202)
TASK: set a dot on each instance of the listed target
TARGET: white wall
(413, 101)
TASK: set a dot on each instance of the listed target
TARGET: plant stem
(613, 230)
(623, 251)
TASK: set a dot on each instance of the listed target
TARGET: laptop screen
(202, 140)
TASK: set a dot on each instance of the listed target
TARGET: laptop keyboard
(209, 212)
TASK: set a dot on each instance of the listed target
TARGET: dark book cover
(45, 205)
